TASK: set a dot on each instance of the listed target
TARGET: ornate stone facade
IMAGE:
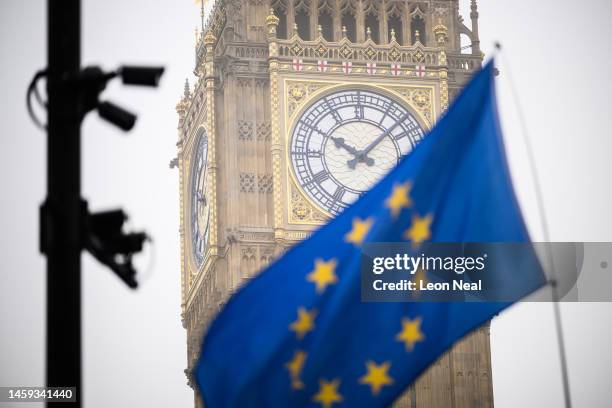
(256, 71)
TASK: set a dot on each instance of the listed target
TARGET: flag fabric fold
(299, 335)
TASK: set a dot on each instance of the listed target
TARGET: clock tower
(299, 107)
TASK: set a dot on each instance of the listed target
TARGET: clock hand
(363, 155)
(360, 157)
(339, 142)
(384, 134)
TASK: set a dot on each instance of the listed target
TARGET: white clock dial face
(348, 140)
(200, 208)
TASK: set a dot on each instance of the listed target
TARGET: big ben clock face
(346, 141)
(200, 208)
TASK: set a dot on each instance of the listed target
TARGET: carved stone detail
(444, 90)
(261, 183)
(301, 211)
(266, 255)
(298, 92)
(261, 82)
(358, 52)
(264, 131)
(248, 253)
(249, 235)
(245, 130)
(276, 144)
(247, 182)
(244, 82)
(296, 236)
(420, 98)
(264, 183)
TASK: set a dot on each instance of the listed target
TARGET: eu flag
(299, 334)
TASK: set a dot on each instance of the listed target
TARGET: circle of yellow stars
(324, 275)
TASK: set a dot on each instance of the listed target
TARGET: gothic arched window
(371, 22)
(327, 25)
(418, 24)
(466, 43)
(302, 19)
(281, 31)
(348, 21)
(395, 23)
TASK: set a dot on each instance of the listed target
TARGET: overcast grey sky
(134, 344)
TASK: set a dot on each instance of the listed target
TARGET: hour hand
(359, 155)
(341, 144)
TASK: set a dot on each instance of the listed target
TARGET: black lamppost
(66, 225)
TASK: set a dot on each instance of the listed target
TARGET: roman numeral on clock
(313, 128)
(319, 178)
(315, 154)
(339, 193)
(332, 111)
(359, 112)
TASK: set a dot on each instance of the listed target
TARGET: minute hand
(362, 156)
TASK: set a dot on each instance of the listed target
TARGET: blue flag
(299, 333)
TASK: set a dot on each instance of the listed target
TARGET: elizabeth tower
(285, 90)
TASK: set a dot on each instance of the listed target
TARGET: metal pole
(62, 212)
(567, 398)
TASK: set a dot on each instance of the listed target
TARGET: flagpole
(549, 255)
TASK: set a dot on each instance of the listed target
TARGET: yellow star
(420, 229)
(377, 376)
(328, 393)
(324, 274)
(399, 198)
(295, 367)
(360, 230)
(411, 333)
(304, 323)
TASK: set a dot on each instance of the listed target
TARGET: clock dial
(200, 208)
(346, 141)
